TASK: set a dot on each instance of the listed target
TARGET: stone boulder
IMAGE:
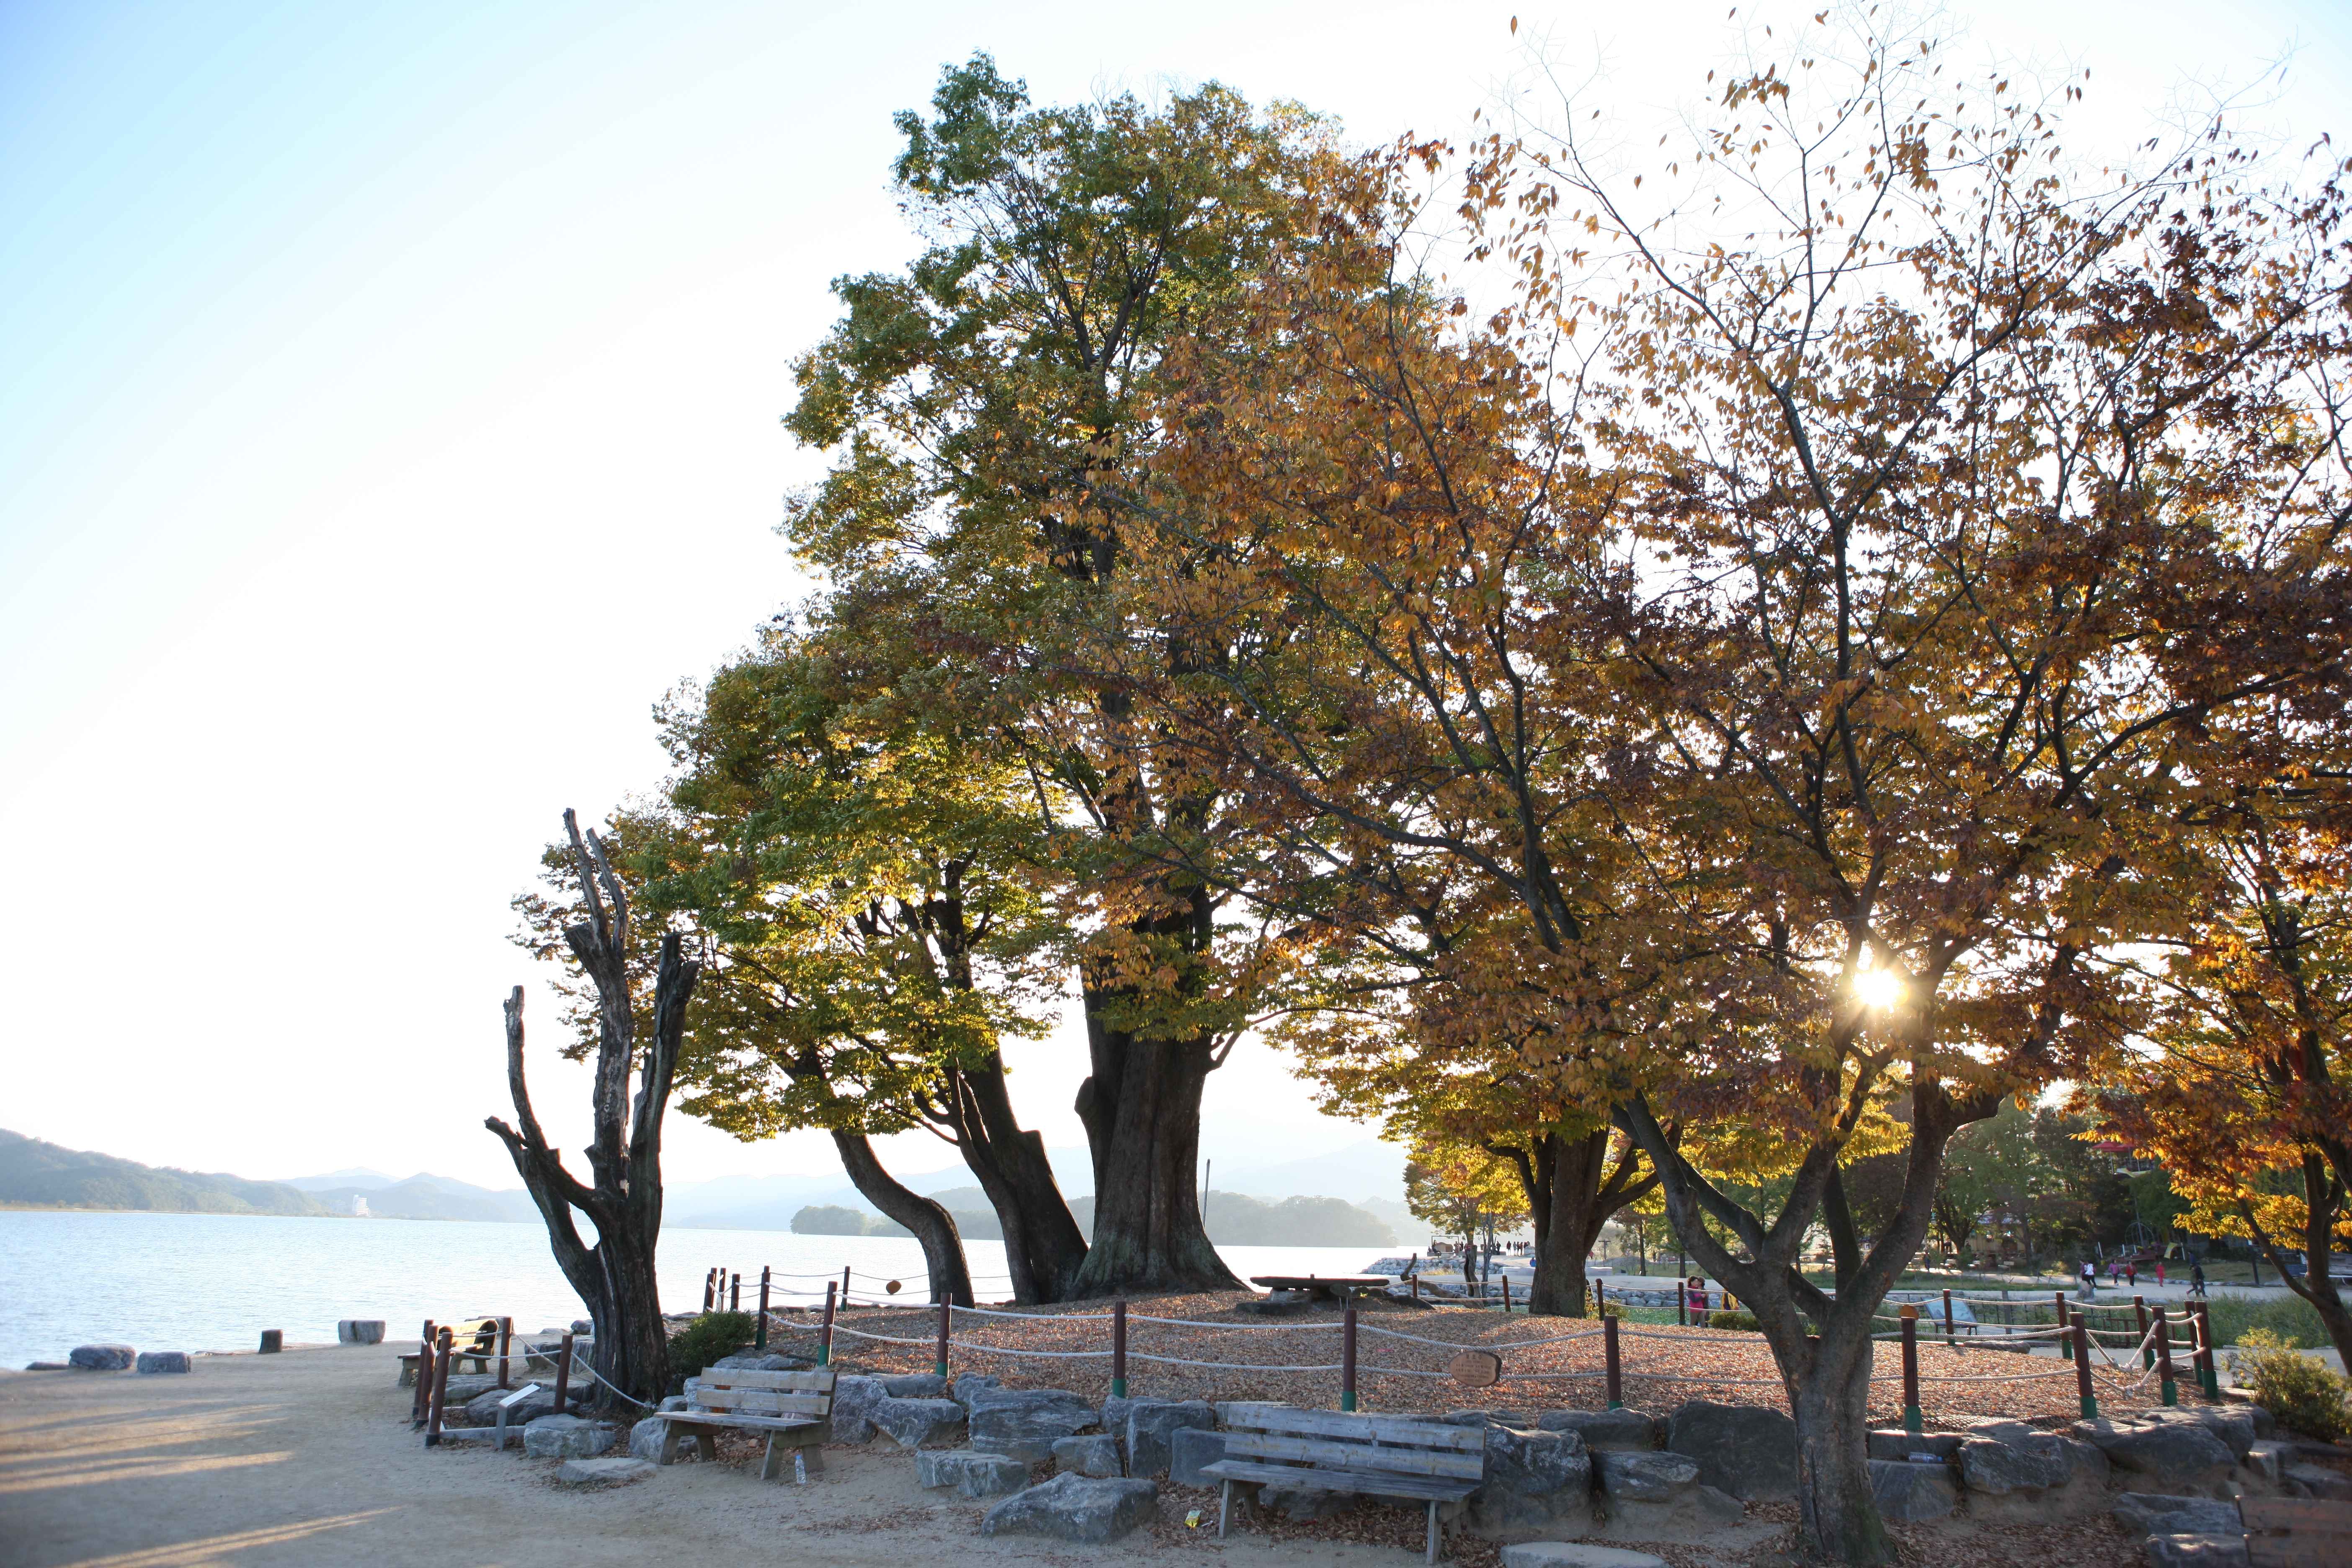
(2155, 1513)
(1909, 1493)
(1190, 1451)
(2175, 1455)
(853, 1399)
(602, 1472)
(1613, 1431)
(2317, 1481)
(1025, 1423)
(482, 1410)
(1744, 1450)
(566, 1438)
(1149, 1425)
(1537, 1484)
(1096, 1455)
(914, 1385)
(2196, 1551)
(1524, 1420)
(2269, 1458)
(360, 1332)
(645, 1438)
(970, 1388)
(103, 1358)
(1658, 1496)
(164, 1360)
(1075, 1508)
(1897, 1444)
(912, 1423)
(970, 1473)
(1577, 1555)
(2036, 1462)
(755, 1361)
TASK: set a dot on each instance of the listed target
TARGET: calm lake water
(202, 1283)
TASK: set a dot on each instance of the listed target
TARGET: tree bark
(933, 1227)
(1044, 1248)
(2324, 1196)
(615, 1279)
(1583, 1189)
(1141, 1107)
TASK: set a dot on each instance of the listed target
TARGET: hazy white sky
(388, 416)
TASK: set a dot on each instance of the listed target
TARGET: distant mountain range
(35, 1174)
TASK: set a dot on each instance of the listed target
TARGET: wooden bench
(1325, 1287)
(1403, 1458)
(2296, 1532)
(475, 1340)
(794, 1408)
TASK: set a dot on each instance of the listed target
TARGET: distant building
(359, 1206)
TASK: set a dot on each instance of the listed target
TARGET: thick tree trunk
(1572, 1188)
(933, 1227)
(1141, 1107)
(615, 1279)
(1044, 1248)
(1837, 1514)
(2324, 1198)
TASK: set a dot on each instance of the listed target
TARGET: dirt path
(306, 1457)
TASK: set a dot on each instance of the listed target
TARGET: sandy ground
(308, 1457)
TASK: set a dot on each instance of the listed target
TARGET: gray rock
(853, 1399)
(1902, 1446)
(164, 1360)
(48, 1366)
(676, 1402)
(1622, 1431)
(2177, 1456)
(914, 1385)
(912, 1423)
(1096, 1455)
(1524, 1420)
(1654, 1476)
(566, 1438)
(1075, 1508)
(1743, 1449)
(482, 1410)
(1691, 1515)
(971, 1474)
(1577, 1555)
(1026, 1422)
(103, 1358)
(1149, 1424)
(602, 1472)
(2264, 1426)
(1303, 1504)
(1191, 1450)
(2155, 1513)
(1537, 1484)
(756, 1361)
(2317, 1481)
(2196, 1551)
(2269, 1458)
(971, 1387)
(360, 1332)
(582, 1326)
(1997, 1428)
(2036, 1462)
(645, 1438)
(1912, 1494)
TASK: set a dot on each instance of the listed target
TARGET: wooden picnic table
(1325, 1287)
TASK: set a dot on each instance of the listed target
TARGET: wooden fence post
(2065, 1344)
(1912, 1423)
(1506, 1295)
(563, 1376)
(1348, 1357)
(760, 1341)
(2164, 1357)
(1682, 1303)
(706, 1289)
(2209, 1377)
(1616, 1378)
(947, 1320)
(824, 1341)
(845, 1287)
(440, 1391)
(735, 1293)
(2146, 1351)
(2082, 1389)
(1118, 1349)
(506, 1350)
(424, 1401)
(1948, 1338)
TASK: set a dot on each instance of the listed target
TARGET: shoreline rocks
(103, 1358)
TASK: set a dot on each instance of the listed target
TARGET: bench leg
(1432, 1531)
(670, 1437)
(1225, 1508)
(812, 1459)
(768, 1460)
(707, 1445)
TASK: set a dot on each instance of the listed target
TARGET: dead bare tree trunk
(615, 1278)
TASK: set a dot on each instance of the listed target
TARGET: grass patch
(2293, 1320)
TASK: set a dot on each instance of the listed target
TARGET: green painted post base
(1912, 1422)
(2148, 1358)
(940, 1368)
(2065, 1349)
(2171, 1392)
(1616, 1404)
(823, 1356)
(2212, 1380)
(1348, 1400)
(2090, 1410)
(1119, 1388)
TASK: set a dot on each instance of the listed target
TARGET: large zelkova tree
(2243, 1088)
(614, 1275)
(964, 399)
(869, 875)
(1797, 608)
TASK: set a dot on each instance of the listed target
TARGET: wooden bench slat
(721, 1418)
(762, 1402)
(2298, 1551)
(1421, 1489)
(778, 1382)
(1401, 1430)
(1356, 1456)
